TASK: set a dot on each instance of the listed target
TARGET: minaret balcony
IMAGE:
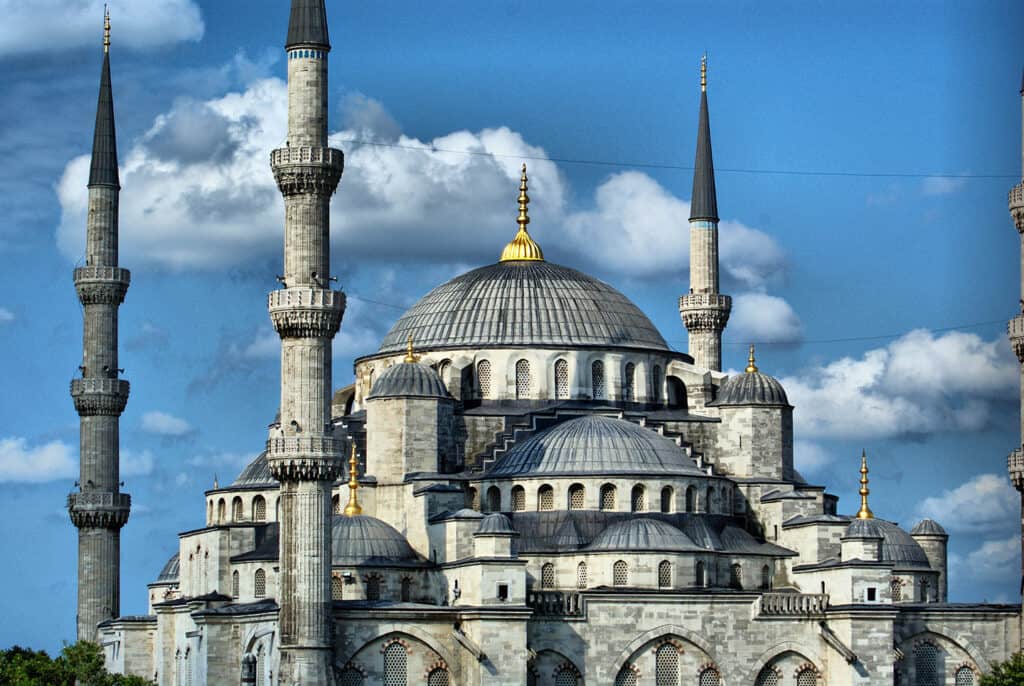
(303, 170)
(1015, 331)
(705, 311)
(306, 312)
(305, 458)
(1015, 465)
(1017, 206)
(97, 396)
(99, 510)
(102, 285)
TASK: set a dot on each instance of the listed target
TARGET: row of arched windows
(772, 676)
(576, 499)
(257, 510)
(928, 667)
(620, 575)
(666, 670)
(524, 380)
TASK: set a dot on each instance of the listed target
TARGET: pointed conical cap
(704, 201)
(308, 25)
(103, 170)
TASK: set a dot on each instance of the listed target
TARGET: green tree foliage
(1009, 673)
(80, 664)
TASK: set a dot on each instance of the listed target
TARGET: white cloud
(164, 424)
(985, 503)
(757, 317)
(137, 463)
(920, 383)
(809, 457)
(942, 185)
(6, 316)
(996, 560)
(42, 25)
(20, 462)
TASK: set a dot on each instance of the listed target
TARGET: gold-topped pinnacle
(353, 508)
(865, 511)
(751, 364)
(410, 356)
(704, 73)
(522, 247)
(106, 29)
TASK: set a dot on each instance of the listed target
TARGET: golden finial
(704, 73)
(106, 29)
(410, 357)
(353, 508)
(865, 511)
(522, 247)
(751, 366)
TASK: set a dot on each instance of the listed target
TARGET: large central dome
(523, 303)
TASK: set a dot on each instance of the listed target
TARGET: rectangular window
(871, 594)
(502, 592)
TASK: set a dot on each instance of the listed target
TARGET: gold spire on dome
(751, 366)
(353, 508)
(704, 73)
(106, 29)
(410, 357)
(523, 247)
(865, 511)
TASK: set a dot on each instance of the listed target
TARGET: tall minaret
(306, 314)
(1016, 331)
(99, 509)
(704, 310)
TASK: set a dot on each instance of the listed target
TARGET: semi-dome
(642, 534)
(928, 527)
(408, 380)
(596, 445)
(523, 303)
(170, 571)
(256, 473)
(495, 524)
(364, 540)
(897, 545)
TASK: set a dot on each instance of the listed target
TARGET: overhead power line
(677, 167)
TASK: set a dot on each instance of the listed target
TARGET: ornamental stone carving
(1017, 207)
(100, 397)
(705, 311)
(99, 510)
(307, 170)
(1015, 465)
(102, 285)
(306, 312)
(311, 469)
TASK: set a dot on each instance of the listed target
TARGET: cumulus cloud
(810, 457)
(56, 24)
(758, 317)
(942, 185)
(985, 503)
(6, 316)
(164, 424)
(137, 463)
(920, 383)
(995, 560)
(21, 462)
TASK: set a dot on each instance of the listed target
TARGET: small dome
(408, 379)
(751, 388)
(363, 540)
(256, 473)
(864, 528)
(596, 445)
(642, 534)
(928, 527)
(170, 570)
(496, 523)
(897, 545)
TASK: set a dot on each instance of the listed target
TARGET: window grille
(667, 496)
(620, 574)
(629, 383)
(261, 667)
(691, 497)
(259, 509)
(567, 677)
(709, 677)
(547, 576)
(607, 497)
(350, 676)
(769, 677)
(926, 658)
(766, 578)
(337, 588)
(626, 677)
(234, 584)
(576, 497)
(518, 499)
(964, 677)
(656, 384)
(562, 380)
(546, 498)
(406, 589)
(438, 677)
(260, 584)
(493, 499)
(523, 380)
(597, 380)
(395, 665)
(188, 668)
(236, 510)
(736, 576)
(665, 574)
(896, 590)
(373, 587)
(581, 575)
(666, 666)
(483, 376)
(809, 677)
(638, 502)
(700, 576)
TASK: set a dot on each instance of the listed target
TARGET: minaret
(704, 310)
(307, 314)
(99, 509)
(1016, 332)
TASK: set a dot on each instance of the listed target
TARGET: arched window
(620, 574)
(369, 383)
(236, 510)
(406, 589)
(666, 665)
(188, 667)
(608, 497)
(581, 575)
(665, 574)
(567, 676)
(766, 578)
(709, 676)
(924, 591)
(493, 499)
(373, 587)
(926, 661)
(700, 575)
(597, 384)
(561, 380)
(637, 502)
(438, 677)
(473, 498)
(964, 677)
(524, 383)
(709, 500)
(627, 676)
(277, 509)
(629, 383)
(545, 498)
(736, 576)
(337, 587)
(259, 584)
(221, 511)
(676, 395)
(808, 676)
(209, 513)
(668, 496)
(350, 676)
(234, 584)
(336, 504)
(395, 668)
(656, 384)
(518, 498)
(547, 575)
(259, 509)
(577, 496)
(483, 376)
(261, 666)
(691, 499)
(896, 589)
(769, 676)
(444, 370)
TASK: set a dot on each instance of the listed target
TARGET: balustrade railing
(555, 603)
(793, 604)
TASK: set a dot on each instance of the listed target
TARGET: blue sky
(850, 276)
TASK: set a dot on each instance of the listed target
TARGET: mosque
(524, 484)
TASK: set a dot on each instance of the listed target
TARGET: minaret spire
(98, 509)
(865, 511)
(353, 508)
(704, 310)
(523, 248)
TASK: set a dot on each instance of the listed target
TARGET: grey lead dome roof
(596, 445)
(256, 473)
(643, 534)
(511, 304)
(897, 545)
(363, 540)
(170, 570)
(751, 388)
(408, 379)
(928, 527)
